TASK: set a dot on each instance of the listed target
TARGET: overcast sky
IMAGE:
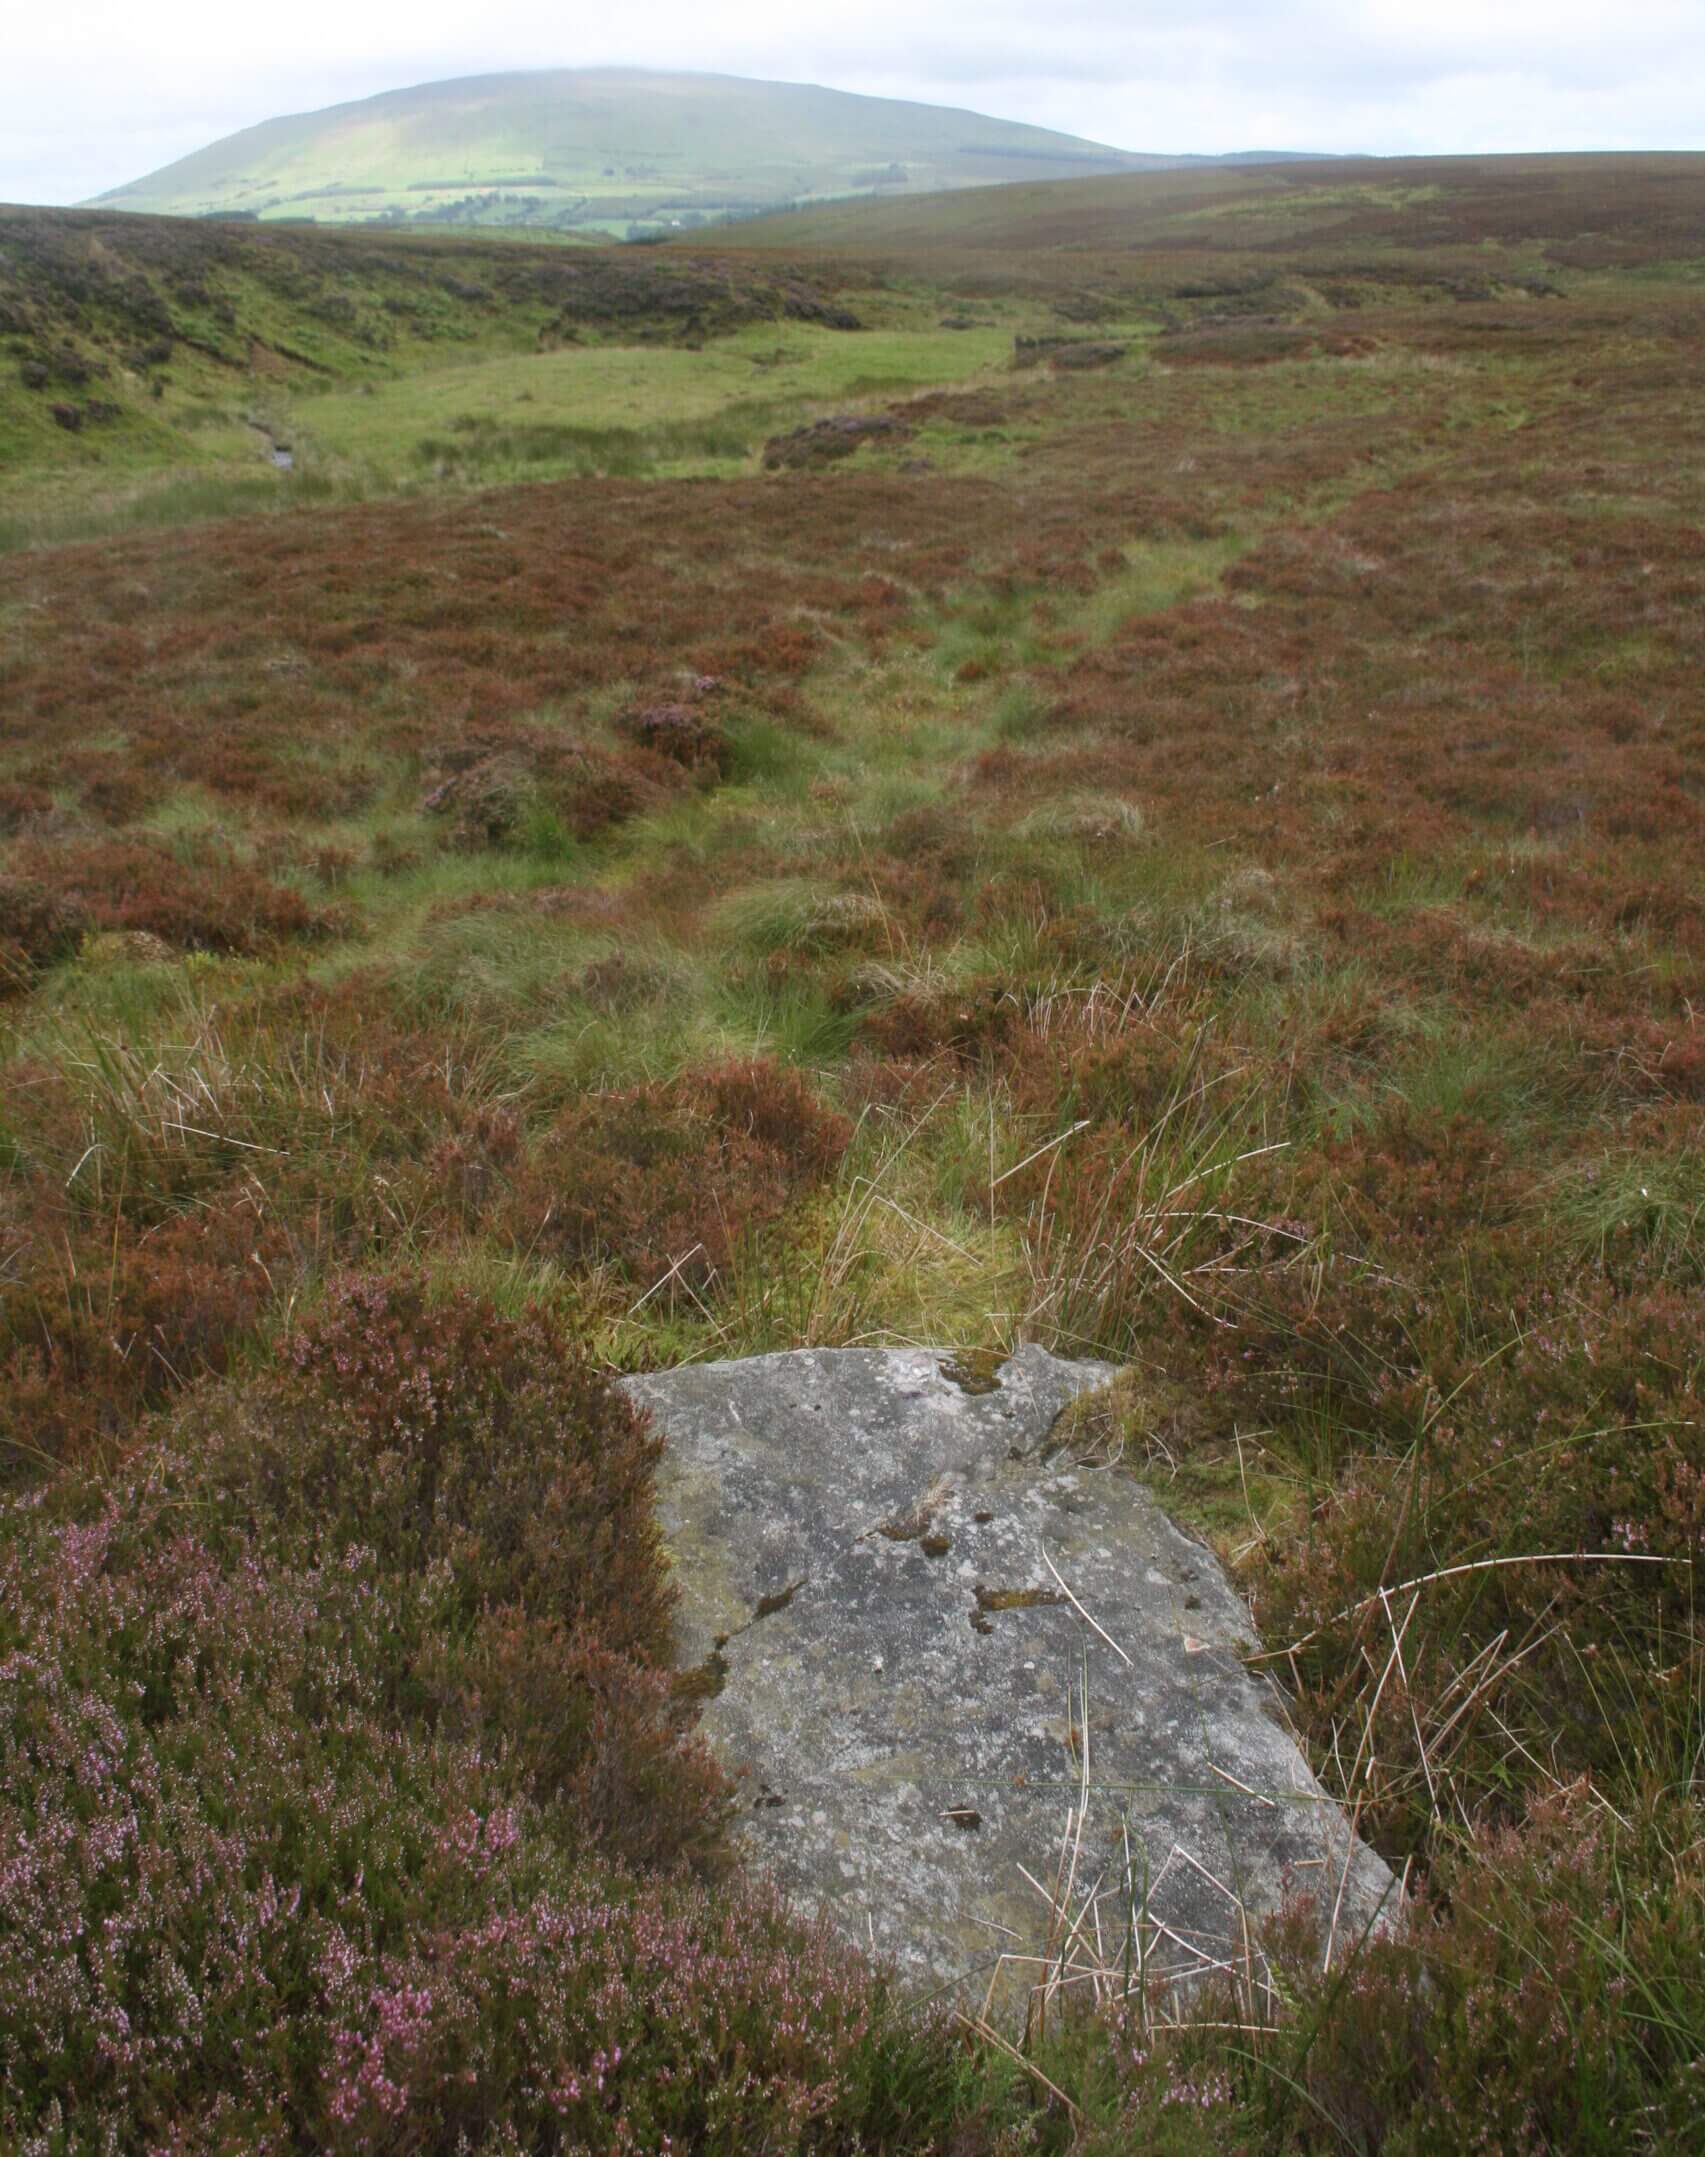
(97, 92)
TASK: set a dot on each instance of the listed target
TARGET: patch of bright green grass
(766, 757)
(1158, 574)
(643, 410)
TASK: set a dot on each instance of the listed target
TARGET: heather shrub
(681, 733)
(38, 927)
(975, 1026)
(328, 1726)
(470, 1166)
(501, 797)
(22, 804)
(484, 1455)
(676, 1176)
(111, 789)
(105, 1326)
(215, 904)
(156, 1206)
(253, 1896)
(438, 1434)
(485, 804)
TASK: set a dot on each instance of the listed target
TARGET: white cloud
(97, 92)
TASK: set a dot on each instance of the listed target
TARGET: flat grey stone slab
(921, 1616)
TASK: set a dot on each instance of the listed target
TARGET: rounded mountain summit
(604, 151)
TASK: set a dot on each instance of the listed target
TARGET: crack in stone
(768, 1605)
(990, 1600)
(1015, 1598)
(705, 1680)
(916, 1525)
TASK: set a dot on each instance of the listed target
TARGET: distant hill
(609, 150)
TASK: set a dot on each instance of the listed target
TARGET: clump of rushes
(329, 1725)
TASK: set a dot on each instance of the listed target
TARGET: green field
(1171, 827)
(626, 411)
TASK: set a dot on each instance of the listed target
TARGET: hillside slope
(130, 341)
(1575, 211)
(600, 147)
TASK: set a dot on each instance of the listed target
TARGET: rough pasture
(1197, 861)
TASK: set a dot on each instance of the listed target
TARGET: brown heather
(669, 1181)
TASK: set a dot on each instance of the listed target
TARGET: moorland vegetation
(1196, 858)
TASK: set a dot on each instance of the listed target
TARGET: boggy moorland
(1196, 858)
